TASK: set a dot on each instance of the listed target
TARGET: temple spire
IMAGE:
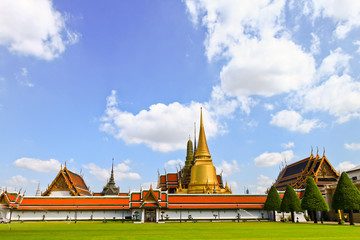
(112, 179)
(38, 191)
(202, 149)
(189, 154)
(194, 137)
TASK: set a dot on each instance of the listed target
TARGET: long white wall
(162, 214)
(41, 215)
(212, 214)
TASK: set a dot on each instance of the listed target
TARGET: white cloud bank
(121, 171)
(249, 34)
(264, 58)
(345, 13)
(19, 181)
(34, 27)
(158, 127)
(270, 159)
(37, 165)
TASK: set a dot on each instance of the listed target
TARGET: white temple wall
(41, 215)
(231, 214)
(3, 212)
(161, 214)
(60, 194)
(298, 216)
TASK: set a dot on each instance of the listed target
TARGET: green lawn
(223, 231)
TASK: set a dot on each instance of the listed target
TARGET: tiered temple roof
(296, 174)
(68, 181)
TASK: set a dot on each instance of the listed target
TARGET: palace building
(193, 193)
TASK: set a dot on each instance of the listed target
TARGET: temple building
(110, 187)
(67, 183)
(316, 167)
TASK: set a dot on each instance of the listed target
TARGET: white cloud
(121, 171)
(352, 146)
(19, 181)
(34, 27)
(248, 34)
(315, 44)
(228, 168)
(288, 145)
(293, 121)
(259, 190)
(234, 186)
(268, 106)
(23, 78)
(357, 43)
(270, 159)
(340, 96)
(344, 166)
(252, 123)
(345, 13)
(172, 164)
(34, 164)
(336, 63)
(263, 183)
(264, 180)
(289, 68)
(158, 127)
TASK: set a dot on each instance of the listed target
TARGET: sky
(82, 82)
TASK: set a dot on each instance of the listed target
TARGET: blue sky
(85, 82)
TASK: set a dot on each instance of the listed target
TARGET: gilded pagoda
(198, 176)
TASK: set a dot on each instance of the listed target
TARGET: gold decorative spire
(202, 148)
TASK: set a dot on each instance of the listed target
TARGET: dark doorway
(150, 215)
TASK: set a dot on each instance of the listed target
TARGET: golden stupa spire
(203, 172)
(202, 148)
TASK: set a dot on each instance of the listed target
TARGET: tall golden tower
(203, 173)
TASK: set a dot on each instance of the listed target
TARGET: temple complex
(194, 193)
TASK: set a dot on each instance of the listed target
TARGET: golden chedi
(203, 173)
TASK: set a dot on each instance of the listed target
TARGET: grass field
(223, 231)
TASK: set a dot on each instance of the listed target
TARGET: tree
(346, 196)
(290, 202)
(273, 201)
(313, 200)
